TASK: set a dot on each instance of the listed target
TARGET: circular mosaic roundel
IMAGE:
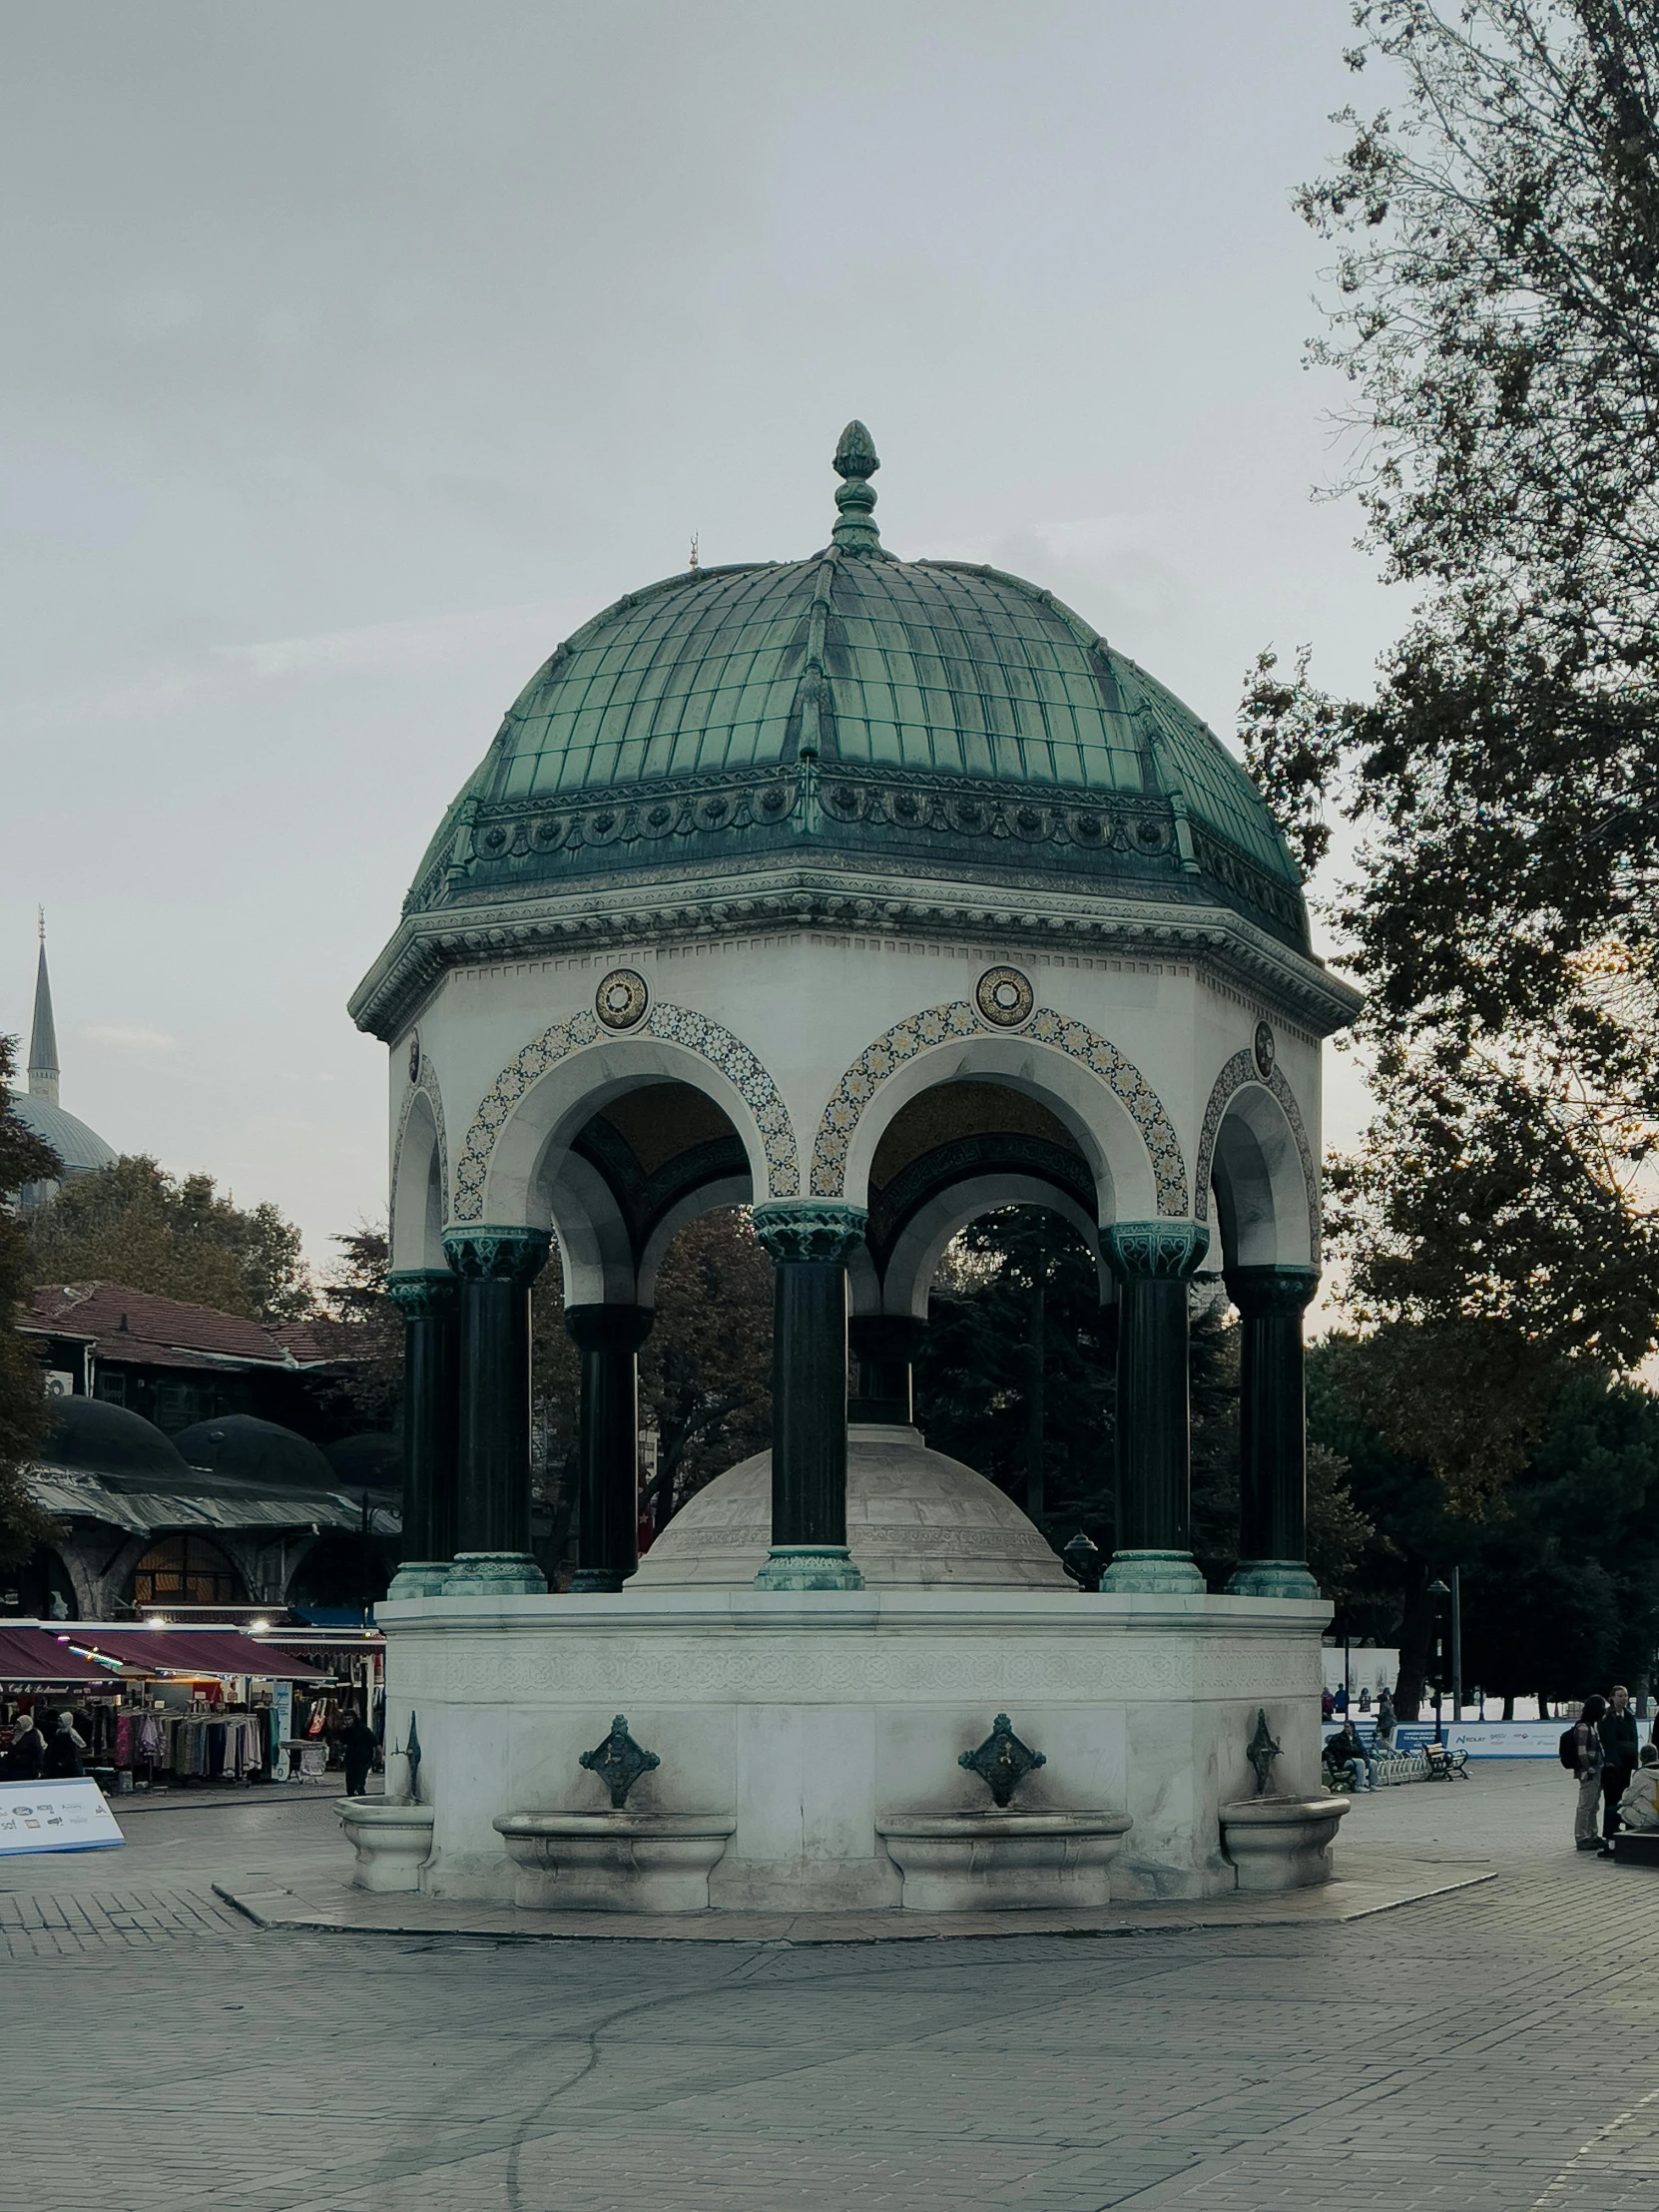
(414, 1057)
(621, 1000)
(1264, 1050)
(1004, 996)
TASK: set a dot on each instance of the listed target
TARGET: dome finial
(856, 463)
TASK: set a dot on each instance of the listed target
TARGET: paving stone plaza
(1487, 2048)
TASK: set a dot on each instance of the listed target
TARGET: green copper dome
(926, 716)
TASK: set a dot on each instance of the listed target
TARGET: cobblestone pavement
(1489, 2048)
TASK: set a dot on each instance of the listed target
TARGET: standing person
(63, 1754)
(1618, 1762)
(1327, 1705)
(359, 1742)
(1384, 1735)
(1588, 1760)
(22, 1761)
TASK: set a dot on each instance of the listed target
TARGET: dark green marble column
(608, 1442)
(810, 1242)
(492, 1536)
(1152, 1260)
(429, 1301)
(883, 1346)
(1272, 1432)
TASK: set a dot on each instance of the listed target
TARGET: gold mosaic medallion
(621, 1000)
(1004, 996)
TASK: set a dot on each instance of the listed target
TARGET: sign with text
(56, 1816)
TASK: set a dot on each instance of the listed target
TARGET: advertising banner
(56, 1816)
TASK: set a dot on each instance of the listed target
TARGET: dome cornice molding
(677, 909)
(879, 812)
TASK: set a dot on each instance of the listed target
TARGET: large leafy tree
(705, 1374)
(1016, 1374)
(23, 1410)
(177, 1236)
(1496, 316)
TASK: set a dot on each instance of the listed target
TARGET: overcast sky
(358, 352)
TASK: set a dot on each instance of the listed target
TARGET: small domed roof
(256, 1453)
(82, 1150)
(915, 1519)
(962, 721)
(95, 1438)
(371, 1461)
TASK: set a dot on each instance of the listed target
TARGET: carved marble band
(674, 1025)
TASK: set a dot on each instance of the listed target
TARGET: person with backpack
(1617, 1731)
(1581, 1754)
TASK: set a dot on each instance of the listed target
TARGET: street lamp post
(1439, 1592)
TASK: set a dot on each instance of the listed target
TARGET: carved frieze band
(938, 1025)
(1240, 1072)
(424, 1086)
(571, 1670)
(674, 1025)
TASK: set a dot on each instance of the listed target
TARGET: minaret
(43, 1038)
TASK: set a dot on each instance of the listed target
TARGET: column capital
(425, 1294)
(490, 1255)
(1270, 1292)
(609, 1328)
(1154, 1250)
(808, 1229)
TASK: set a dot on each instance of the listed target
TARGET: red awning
(35, 1655)
(187, 1651)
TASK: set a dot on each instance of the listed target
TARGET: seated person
(1639, 1805)
(1344, 1754)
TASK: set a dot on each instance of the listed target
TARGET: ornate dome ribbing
(926, 717)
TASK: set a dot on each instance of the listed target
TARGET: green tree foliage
(706, 1369)
(134, 1224)
(1560, 1569)
(1014, 1376)
(357, 1324)
(1003, 1370)
(1496, 315)
(24, 1420)
(705, 1372)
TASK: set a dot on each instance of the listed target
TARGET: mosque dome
(915, 1519)
(857, 713)
(79, 1148)
(256, 1451)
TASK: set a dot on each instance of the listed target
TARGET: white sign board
(56, 1816)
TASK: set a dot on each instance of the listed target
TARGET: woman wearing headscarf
(63, 1753)
(21, 1763)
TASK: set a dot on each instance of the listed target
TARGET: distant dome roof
(964, 723)
(105, 1439)
(371, 1461)
(256, 1453)
(79, 1148)
(915, 1519)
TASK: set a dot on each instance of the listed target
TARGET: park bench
(1443, 1763)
